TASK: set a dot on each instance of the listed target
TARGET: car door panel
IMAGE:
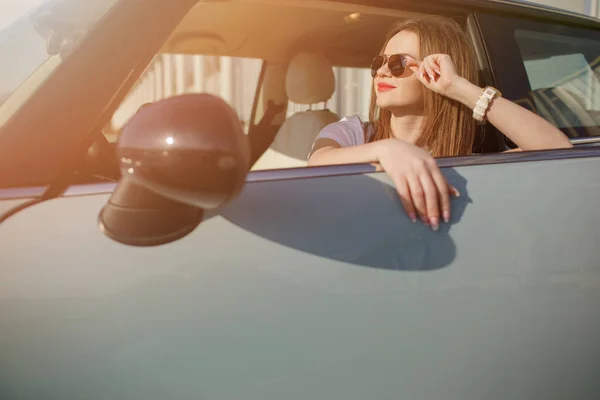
(315, 288)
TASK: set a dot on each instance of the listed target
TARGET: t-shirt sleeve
(346, 132)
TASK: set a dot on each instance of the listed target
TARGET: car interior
(300, 43)
(564, 97)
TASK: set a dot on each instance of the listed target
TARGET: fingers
(426, 71)
(417, 194)
(431, 200)
(430, 194)
(444, 189)
(431, 68)
(436, 61)
(422, 72)
(422, 188)
(411, 62)
(405, 199)
(454, 191)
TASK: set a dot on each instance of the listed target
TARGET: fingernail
(413, 217)
(425, 220)
(421, 75)
(435, 224)
(438, 72)
(432, 77)
(446, 216)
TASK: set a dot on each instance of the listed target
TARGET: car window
(549, 68)
(352, 94)
(232, 78)
(217, 51)
(562, 72)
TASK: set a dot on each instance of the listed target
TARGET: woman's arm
(323, 154)
(529, 131)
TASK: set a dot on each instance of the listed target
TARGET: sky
(10, 10)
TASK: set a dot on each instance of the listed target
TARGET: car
(161, 236)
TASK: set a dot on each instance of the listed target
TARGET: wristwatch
(489, 93)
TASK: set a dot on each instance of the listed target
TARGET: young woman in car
(425, 105)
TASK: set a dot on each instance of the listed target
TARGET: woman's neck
(407, 127)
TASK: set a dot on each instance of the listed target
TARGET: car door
(313, 283)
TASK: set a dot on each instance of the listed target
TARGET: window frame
(42, 130)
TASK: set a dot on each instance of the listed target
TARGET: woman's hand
(528, 130)
(437, 72)
(423, 190)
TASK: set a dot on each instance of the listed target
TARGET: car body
(306, 282)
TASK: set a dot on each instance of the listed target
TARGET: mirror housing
(178, 157)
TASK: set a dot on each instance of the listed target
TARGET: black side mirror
(178, 157)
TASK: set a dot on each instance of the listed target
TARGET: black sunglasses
(396, 63)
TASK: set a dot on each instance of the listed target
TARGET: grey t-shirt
(349, 131)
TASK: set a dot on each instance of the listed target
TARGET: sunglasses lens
(396, 65)
(376, 64)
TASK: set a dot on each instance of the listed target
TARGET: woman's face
(404, 93)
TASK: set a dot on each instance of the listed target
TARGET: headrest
(309, 79)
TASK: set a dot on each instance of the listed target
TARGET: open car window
(548, 68)
(235, 79)
(241, 50)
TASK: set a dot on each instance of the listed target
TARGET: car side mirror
(178, 157)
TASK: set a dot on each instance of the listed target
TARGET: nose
(384, 71)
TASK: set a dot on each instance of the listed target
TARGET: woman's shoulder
(348, 131)
(353, 122)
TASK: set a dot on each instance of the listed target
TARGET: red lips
(382, 87)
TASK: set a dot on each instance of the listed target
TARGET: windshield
(34, 45)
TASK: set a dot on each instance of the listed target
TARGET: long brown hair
(448, 126)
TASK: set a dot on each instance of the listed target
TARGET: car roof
(245, 28)
(526, 7)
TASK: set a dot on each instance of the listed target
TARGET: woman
(424, 105)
